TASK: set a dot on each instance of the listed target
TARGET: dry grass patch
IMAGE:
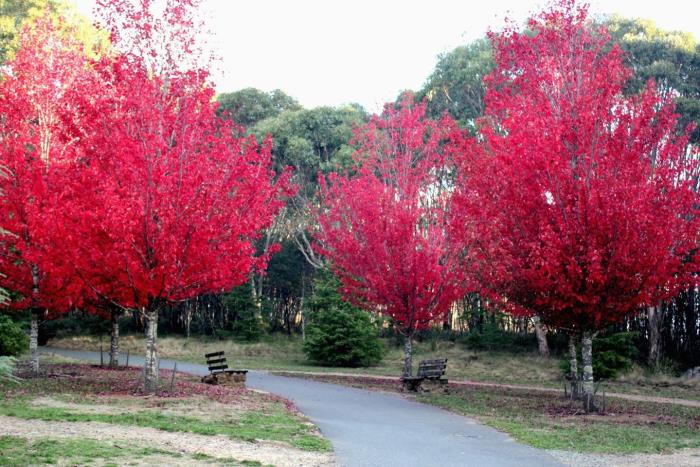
(84, 393)
(281, 353)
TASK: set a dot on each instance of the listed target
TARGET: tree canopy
(670, 58)
(383, 225)
(580, 202)
(455, 86)
(248, 106)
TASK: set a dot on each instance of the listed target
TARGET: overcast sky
(333, 52)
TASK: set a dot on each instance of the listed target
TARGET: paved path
(373, 429)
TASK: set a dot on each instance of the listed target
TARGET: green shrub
(342, 337)
(613, 354)
(13, 339)
(338, 334)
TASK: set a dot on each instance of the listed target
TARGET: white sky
(330, 52)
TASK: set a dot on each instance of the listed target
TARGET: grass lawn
(552, 422)
(71, 398)
(280, 353)
(15, 450)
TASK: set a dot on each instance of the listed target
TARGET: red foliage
(107, 382)
(167, 202)
(580, 205)
(38, 141)
(122, 184)
(383, 225)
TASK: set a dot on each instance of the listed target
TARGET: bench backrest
(216, 361)
(432, 369)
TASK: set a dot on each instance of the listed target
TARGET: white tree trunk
(188, 320)
(575, 384)
(257, 299)
(408, 355)
(541, 337)
(301, 311)
(34, 343)
(34, 325)
(587, 385)
(150, 368)
(654, 321)
(114, 340)
(573, 358)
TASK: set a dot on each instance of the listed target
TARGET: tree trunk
(114, 340)
(150, 368)
(587, 386)
(257, 298)
(654, 321)
(476, 317)
(188, 319)
(541, 337)
(34, 325)
(34, 342)
(253, 289)
(408, 354)
(573, 358)
(301, 311)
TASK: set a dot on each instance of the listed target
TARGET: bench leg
(445, 387)
(435, 386)
(412, 385)
(210, 379)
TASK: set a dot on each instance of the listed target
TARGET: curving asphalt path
(373, 429)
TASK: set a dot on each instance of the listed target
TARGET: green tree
(339, 334)
(250, 105)
(671, 58)
(310, 141)
(14, 14)
(246, 324)
(456, 86)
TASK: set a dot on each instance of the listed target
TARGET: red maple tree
(38, 141)
(579, 207)
(383, 225)
(168, 202)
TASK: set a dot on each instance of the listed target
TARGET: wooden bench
(430, 370)
(220, 373)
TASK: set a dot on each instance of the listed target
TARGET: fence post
(172, 378)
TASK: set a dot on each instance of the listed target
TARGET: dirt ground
(184, 443)
(94, 391)
(682, 458)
